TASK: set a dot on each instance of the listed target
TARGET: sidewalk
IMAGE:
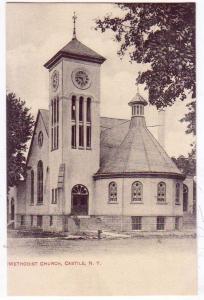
(93, 234)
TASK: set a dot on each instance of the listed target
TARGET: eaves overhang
(169, 175)
(62, 54)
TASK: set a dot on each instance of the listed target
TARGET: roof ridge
(108, 128)
(44, 109)
(145, 150)
(43, 121)
(115, 118)
(134, 133)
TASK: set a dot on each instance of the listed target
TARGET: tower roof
(138, 99)
(75, 49)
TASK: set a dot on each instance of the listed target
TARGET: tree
(19, 130)
(162, 36)
(190, 118)
(187, 165)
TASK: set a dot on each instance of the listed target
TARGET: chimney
(161, 127)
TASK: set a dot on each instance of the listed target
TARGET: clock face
(40, 139)
(55, 80)
(81, 79)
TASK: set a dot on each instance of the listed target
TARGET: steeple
(75, 50)
(137, 104)
(74, 26)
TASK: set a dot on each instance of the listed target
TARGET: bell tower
(74, 110)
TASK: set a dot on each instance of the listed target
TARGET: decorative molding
(139, 175)
(62, 54)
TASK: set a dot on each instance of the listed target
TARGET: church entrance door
(80, 197)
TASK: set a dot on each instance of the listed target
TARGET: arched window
(55, 124)
(40, 182)
(55, 106)
(136, 191)
(161, 192)
(112, 192)
(88, 110)
(81, 109)
(88, 123)
(81, 125)
(177, 200)
(73, 111)
(185, 197)
(32, 187)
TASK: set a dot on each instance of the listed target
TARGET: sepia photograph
(101, 148)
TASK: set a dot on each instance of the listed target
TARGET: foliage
(19, 130)
(187, 165)
(190, 118)
(161, 35)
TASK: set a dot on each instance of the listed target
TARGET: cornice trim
(139, 175)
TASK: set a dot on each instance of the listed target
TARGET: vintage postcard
(101, 148)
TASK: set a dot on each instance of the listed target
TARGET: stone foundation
(124, 223)
(53, 223)
(73, 224)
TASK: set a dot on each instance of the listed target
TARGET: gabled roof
(45, 118)
(108, 123)
(126, 147)
(75, 49)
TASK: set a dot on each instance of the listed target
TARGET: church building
(91, 172)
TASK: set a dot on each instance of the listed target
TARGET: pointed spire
(137, 104)
(74, 25)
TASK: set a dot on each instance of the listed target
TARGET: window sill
(39, 203)
(111, 202)
(178, 203)
(81, 148)
(162, 203)
(136, 202)
(54, 149)
(54, 203)
(88, 148)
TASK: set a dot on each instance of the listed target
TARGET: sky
(36, 31)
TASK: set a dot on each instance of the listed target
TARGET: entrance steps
(10, 224)
(89, 223)
(189, 221)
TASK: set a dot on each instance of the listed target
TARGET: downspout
(122, 207)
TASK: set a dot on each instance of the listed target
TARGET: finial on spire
(74, 27)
